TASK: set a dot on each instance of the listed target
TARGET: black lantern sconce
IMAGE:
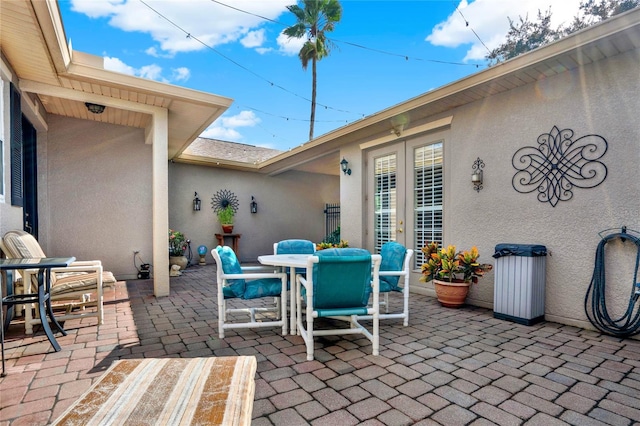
(196, 203)
(476, 176)
(344, 165)
(254, 205)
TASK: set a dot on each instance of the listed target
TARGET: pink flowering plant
(177, 243)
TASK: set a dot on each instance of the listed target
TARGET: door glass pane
(427, 167)
(385, 200)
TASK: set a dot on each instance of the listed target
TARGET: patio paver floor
(449, 366)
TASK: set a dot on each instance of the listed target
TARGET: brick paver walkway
(450, 367)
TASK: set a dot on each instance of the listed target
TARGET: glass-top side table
(42, 297)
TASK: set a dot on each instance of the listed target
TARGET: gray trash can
(520, 278)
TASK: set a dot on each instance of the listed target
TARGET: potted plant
(225, 216)
(452, 272)
(177, 246)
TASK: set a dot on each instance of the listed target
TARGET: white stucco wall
(352, 198)
(290, 205)
(599, 99)
(99, 193)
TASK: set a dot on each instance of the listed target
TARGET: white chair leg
(376, 334)
(28, 319)
(309, 338)
(405, 292)
(222, 316)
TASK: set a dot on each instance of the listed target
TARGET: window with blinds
(385, 200)
(428, 197)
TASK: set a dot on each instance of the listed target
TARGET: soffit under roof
(32, 40)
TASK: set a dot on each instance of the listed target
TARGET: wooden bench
(169, 391)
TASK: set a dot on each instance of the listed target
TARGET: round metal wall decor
(222, 199)
(559, 164)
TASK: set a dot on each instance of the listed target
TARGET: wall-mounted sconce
(476, 176)
(196, 203)
(344, 165)
(95, 108)
(254, 205)
(397, 129)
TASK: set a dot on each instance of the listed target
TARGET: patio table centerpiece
(452, 272)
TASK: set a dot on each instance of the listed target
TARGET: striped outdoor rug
(169, 391)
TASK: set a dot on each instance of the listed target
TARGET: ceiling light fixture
(95, 108)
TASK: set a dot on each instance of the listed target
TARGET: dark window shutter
(17, 191)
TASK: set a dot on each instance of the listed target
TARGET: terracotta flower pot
(227, 229)
(451, 294)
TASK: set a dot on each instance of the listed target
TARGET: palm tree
(314, 20)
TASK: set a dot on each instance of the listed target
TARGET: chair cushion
(230, 265)
(296, 247)
(265, 287)
(392, 260)
(21, 244)
(70, 282)
(342, 279)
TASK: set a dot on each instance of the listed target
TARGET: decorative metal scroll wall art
(224, 198)
(558, 164)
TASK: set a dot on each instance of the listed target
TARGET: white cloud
(180, 74)
(488, 18)
(217, 132)
(253, 39)
(243, 119)
(115, 64)
(289, 46)
(152, 51)
(151, 72)
(211, 23)
(224, 128)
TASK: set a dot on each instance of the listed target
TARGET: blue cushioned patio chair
(395, 265)
(248, 283)
(338, 285)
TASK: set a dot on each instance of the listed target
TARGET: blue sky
(407, 48)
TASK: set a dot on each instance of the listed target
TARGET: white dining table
(291, 261)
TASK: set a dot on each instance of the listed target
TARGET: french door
(405, 183)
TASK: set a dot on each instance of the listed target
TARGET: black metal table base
(42, 298)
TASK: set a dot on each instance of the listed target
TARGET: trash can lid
(526, 250)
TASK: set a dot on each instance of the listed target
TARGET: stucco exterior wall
(352, 198)
(290, 205)
(599, 99)
(98, 192)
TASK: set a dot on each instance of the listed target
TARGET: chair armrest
(258, 268)
(86, 263)
(391, 273)
(279, 275)
(79, 268)
(28, 273)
